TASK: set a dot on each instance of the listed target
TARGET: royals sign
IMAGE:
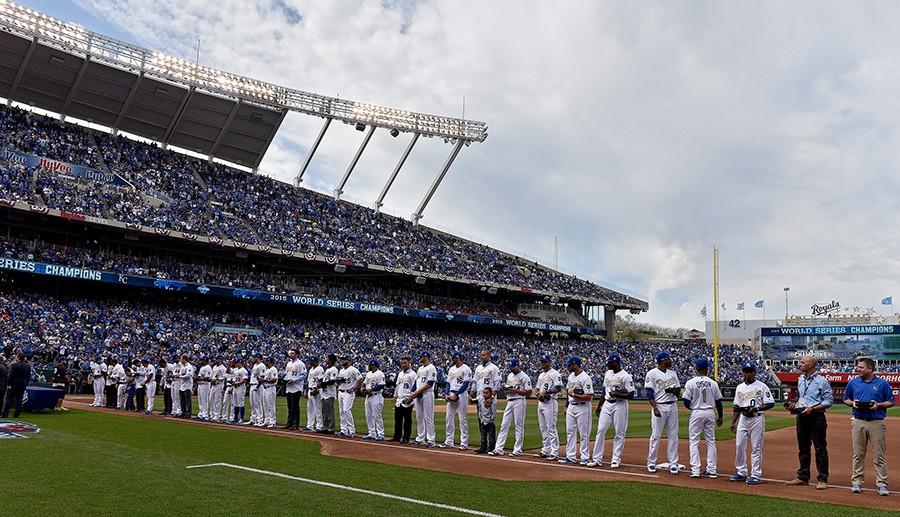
(819, 309)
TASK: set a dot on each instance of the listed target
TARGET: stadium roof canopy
(64, 68)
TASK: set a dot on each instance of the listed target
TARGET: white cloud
(641, 133)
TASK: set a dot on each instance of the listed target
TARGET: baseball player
(459, 376)
(549, 385)
(372, 388)
(662, 388)
(187, 387)
(121, 378)
(405, 384)
(518, 386)
(751, 399)
(294, 377)
(314, 396)
(149, 385)
(256, 373)
(350, 380)
(239, 380)
(216, 389)
(329, 393)
(618, 388)
(701, 395)
(423, 395)
(487, 375)
(204, 380)
(98, 370)
(227, 407)
(109, 383)
(580, 392)
(269, 381)
(165, 369)
(176, 386)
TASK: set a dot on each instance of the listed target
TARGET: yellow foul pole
(716, 313)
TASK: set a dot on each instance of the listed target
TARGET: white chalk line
(347, 488)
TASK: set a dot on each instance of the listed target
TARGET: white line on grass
(348, 488)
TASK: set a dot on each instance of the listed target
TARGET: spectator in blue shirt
(815, 397)
(870, 397)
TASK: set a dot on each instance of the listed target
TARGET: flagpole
(716, 313)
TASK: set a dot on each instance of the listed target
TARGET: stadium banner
(838, 382)
(68, 169)
(40, 268)
(836, 342)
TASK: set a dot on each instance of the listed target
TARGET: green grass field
(85, 462)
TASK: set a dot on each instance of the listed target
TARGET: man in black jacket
(19, 375)
(4, 373)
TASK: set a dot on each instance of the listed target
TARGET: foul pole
(716, 313)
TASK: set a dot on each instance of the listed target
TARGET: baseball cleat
(495, 453)
(514, 453)
(856, 489)
(883, 490)
(753, 480)
(463, 447)
(615, 465)
(738, 477)
(541, 455)
(651, 469)
(270, 426)
(443, 446)
(379, 438)
(673, 470)
(567, 461)
(367, 437)
(707, 474)
(696, 475)
(821, 485)
(583, 463)
(430, 445)
(552, 458)
(593, 463)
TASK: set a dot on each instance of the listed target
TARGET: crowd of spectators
(175, 192)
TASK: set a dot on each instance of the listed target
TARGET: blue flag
(759, 304)
(740, 306)
(703, 311)
(888, 301)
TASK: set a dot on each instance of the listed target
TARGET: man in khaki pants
(870, 397)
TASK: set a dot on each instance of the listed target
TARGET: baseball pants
(328, 414)
(256, 414)
(752, 430)
(268, 405)
(578, 430)
(703, 423)
(458, 409)
(613, 414)
(228, 405)
(374, 418)
(547, 414)
(215, 400)
(176, 400)
(98, 392)
(425, 418)
(121, 395)
(239, 397)
(345, 400)
(314, 412)
(203, 399)
(151, 394)
(668, 422)
(514, 413)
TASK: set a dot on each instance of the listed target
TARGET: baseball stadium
(198, 337)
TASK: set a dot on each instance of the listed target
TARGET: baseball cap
(701, 364)
(456, 355)
(545, 358)
(314, 358)
(345, 357)
(613, 358)
(573, 360)
(662, 356)
(145, 361)
(220, 358)
(374, 362)
(270, 360)
(425, 354)
(513, 363)
(748, 366)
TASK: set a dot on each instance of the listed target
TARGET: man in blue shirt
(815, 397)
(870, 397)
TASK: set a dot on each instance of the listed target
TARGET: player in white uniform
(227, 409)
(487, 375)
(618, 388)
(256, 404)
(239, 380)
(204, 381)
(329, 393)
(98, 370)
(426, 377)
(294, 379)
(349, 382)
(314, 396)
(580, 392)
(121, 385)
(459, 377)
(187, 387)
(149, 385)
(176, 386)
(372, 388)
(549, 386)
(751, 399)
(701, 395)
(217, 389)
(518, 386)
(269, 381)
(662, 387)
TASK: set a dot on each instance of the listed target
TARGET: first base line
(347, 488)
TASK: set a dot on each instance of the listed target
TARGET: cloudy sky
(641, 133)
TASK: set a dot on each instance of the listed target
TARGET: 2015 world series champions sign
(836, 342)
(39, 268)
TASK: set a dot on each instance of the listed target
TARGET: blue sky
(641, 133)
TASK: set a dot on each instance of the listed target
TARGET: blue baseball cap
(425, 354)
(748, 366)
(701, 364)
(513, 363)
(545, 358)
(220, 358)
(456, 355)
(314, 358)
(573, 360)
(662, 356)
(270, 359)
(375, 363)
(345, 357)
(613, 358)
(145, 361)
